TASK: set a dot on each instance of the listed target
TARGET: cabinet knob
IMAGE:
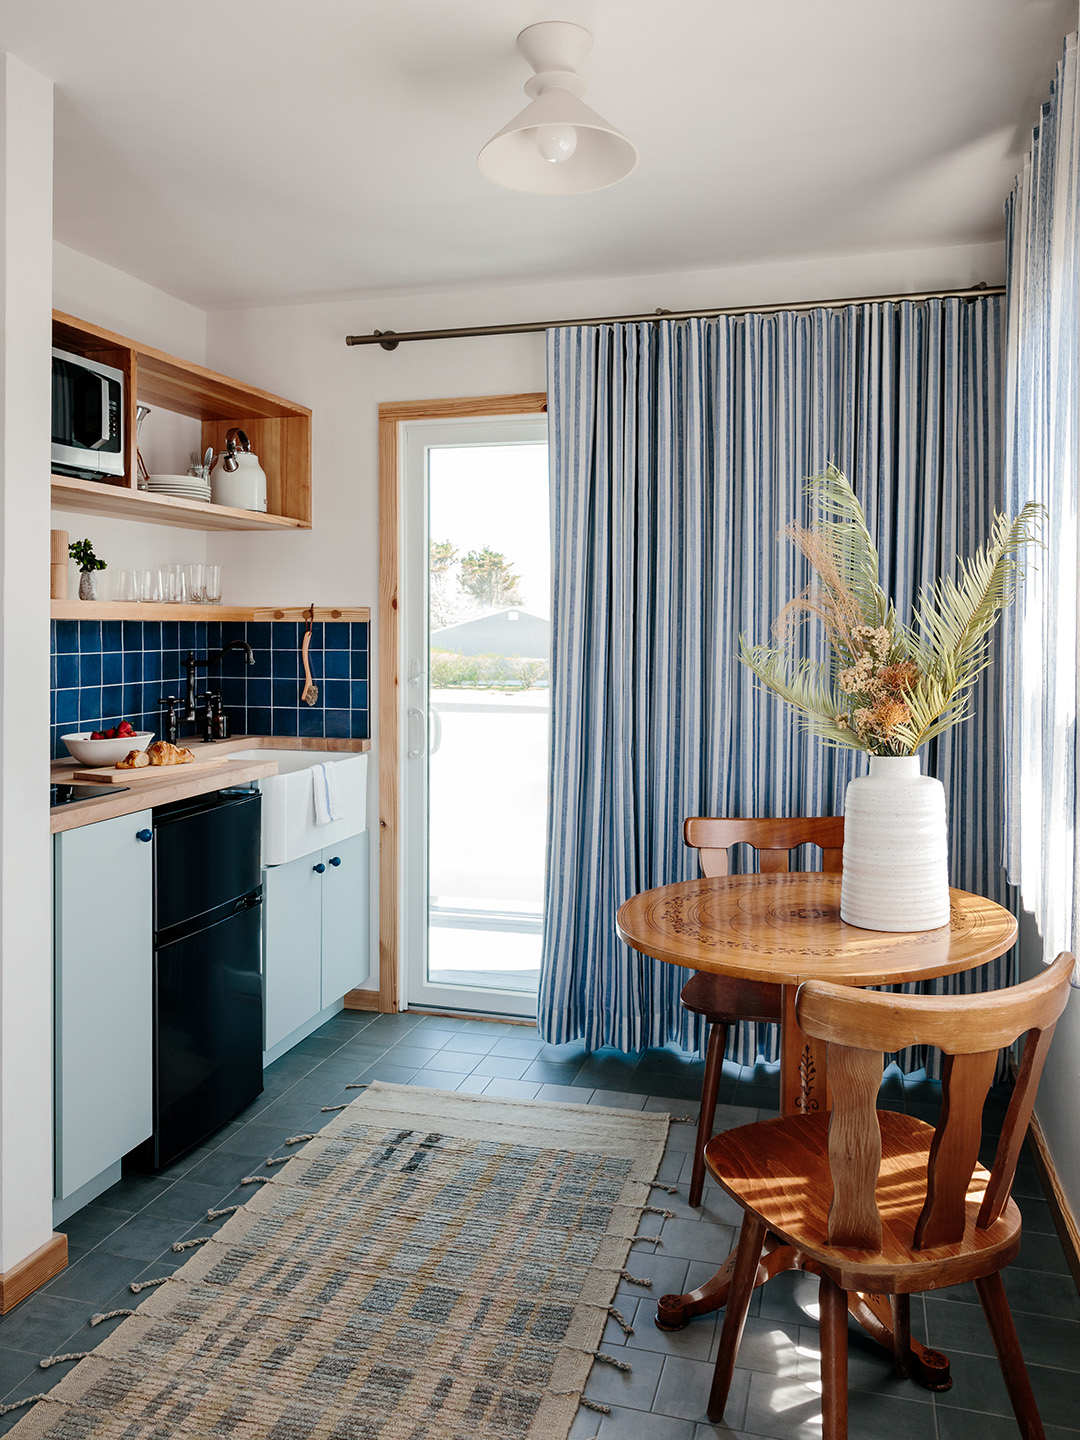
(146, 835)
(335, 860)
(319, 869)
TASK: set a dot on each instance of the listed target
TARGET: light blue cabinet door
(103, 996)
(292, 944)
(344, 917)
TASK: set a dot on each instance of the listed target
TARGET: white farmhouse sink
(288, 811)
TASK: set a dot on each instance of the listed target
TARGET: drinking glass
(212, 584)
(125, 585)
(144, 589)
(193, 582)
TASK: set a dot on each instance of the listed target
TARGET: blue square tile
(131, 701)
(112, 635)
(360, 727)
(170, 635)
(90, 707)
(358, 635)
(132, 634)
(89, 637)
(318, 635)
(260, 721)
(336, 664)
(151, 637)
(338, 724)
(337, 635)
(52, 706)
(213, 634)
(112, 702)
(132, 666)
(359, 664)
(284, 722)
(112, 667)
(52, 672)
(286, 693)
(358, 691)
(311, 721)
(233, 692)
(258, 634)
(337, 694)
(67, 671)
(52, 636)
(258, 692)
(67, 706)
(189, 635)
(89, 669)
(263, 667)
(286, 664)
(151, 665)
(67, 637)
(315, 661)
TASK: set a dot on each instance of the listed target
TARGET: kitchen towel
(325, 792)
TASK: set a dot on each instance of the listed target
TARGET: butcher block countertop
(172, 783)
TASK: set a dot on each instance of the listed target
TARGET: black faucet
(191, 665)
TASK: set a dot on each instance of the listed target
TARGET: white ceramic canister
(243, 488)
(896, 866)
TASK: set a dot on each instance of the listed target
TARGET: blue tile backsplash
(105, 671)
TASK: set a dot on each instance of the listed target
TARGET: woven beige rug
(432, 1266)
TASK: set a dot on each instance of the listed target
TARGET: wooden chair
(725, 1001)
(882, 1203)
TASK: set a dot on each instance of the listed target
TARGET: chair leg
(1003, 1332)
(834, 1352)
(747, 1258)
(901, 1322)
(710, 1089)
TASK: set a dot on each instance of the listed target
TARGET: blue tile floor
(128, 1233)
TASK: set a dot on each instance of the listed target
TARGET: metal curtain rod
(391, 339)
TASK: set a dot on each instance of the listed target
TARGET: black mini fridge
(208, 1014)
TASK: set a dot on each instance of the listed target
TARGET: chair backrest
(773, 839)
(862, 1026)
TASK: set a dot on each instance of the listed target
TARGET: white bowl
(105, 752)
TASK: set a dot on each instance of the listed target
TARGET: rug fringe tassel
(18, 1404)
(655, 1210)
(277, 1160)
(620, 1320)
(296, 1139)
(255, 1180)
(227, 1210)
(327, 1109)
(356, 1085)
(683, 1119)
(656, 1185)
(581, 1399)
(59, 1359)
(190, 1244)
(108, 1315)
(610, 1360)
(635, 1279)
(647, 1240)
(137, 1285)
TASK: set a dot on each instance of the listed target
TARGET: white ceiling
(245, 151)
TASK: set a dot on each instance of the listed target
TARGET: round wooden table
(784, 929)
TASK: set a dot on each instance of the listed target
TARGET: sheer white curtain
(1042, 462)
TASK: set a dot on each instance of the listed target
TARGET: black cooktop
(68, 794)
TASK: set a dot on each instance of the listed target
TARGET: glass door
(477, 623)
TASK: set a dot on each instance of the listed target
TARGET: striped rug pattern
(431, 1267)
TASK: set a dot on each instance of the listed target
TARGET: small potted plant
(82, 552)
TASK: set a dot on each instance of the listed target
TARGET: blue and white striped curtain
(1042, 462)
(678, 451)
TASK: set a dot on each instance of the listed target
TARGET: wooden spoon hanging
(310, 693)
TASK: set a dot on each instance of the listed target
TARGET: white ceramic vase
(896, 868)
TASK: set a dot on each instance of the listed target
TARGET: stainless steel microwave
(87, 417)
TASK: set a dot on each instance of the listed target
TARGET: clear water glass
(144, 587)
(193, 582)
(212, 584)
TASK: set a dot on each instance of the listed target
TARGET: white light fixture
(557, 145)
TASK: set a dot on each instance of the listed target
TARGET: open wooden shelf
(279, 431)
(137, 610)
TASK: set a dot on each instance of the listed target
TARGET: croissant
(133, 760)
(162, 753)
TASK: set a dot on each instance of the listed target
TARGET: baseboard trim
(1064, 1219)
(362, 1000)
(33, 1272)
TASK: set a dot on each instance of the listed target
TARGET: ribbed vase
(896, 867)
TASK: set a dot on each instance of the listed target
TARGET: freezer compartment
(206, 853)
(208, 1043)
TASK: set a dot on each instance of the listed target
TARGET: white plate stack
(183, 487)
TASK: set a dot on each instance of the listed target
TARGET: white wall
(93, 291)
(299, 352)
(26, 156)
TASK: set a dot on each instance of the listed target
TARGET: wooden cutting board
(109, 775)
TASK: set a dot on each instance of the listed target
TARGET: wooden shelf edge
(92, 497)
(136, 610)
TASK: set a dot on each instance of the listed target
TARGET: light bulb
(556, 143)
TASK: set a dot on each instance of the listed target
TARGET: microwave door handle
(97, 444)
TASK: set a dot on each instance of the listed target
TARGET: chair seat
(779, 1171)
(725, 1001)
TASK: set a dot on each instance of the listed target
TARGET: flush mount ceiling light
(557, 145)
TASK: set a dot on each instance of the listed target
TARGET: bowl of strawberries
(106, 747)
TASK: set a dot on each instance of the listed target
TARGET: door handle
(319, 869)
(414, 751)
(335, 860)
(146, 835)
(434, 723)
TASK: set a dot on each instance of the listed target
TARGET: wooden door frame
(391, 544)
